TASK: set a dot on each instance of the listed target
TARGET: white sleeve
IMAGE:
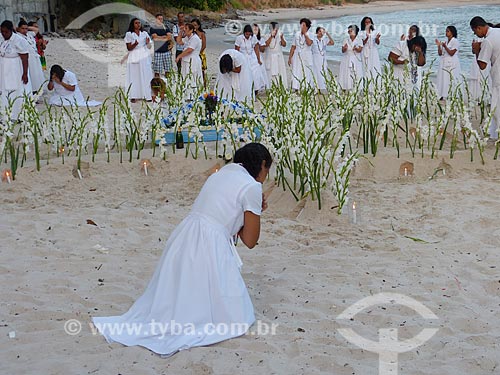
(237, 60)
(70, 79)
(237, 42)
(129, 37)
(252, 198)
(454, 45)
(486, 52)
(21, 45)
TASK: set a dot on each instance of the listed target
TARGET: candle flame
(353, 205)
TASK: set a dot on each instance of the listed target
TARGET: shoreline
(375, 7)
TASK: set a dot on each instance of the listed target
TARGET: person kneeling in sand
(66, 90)
(234, 80)
(158, 90)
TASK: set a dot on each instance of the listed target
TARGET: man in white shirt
(488, 52)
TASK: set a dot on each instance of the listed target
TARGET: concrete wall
(30, 10)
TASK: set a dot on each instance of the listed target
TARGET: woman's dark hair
(476, 22)
(131, 25)
(318, 29)
(226, 64)
(7, 25)
(307, 21)
(32, 23)
(258, 34)
(251, 156)
(416, 28)
(453, 30)
(198, 22)
(22, 23)
(247, 29)
(58, 71)
(363, 23)
(355, 28)
(189, 26)
(274, 24)
(418, 41)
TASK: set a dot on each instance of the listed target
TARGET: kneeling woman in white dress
(191, 69)
(66, 90)
(351, 68)
(449, 72)
(234, 81)
(197, 296)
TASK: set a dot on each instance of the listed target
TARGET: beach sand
(435, 240)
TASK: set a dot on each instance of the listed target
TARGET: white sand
(308, 267)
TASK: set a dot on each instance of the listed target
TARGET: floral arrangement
(211, 101)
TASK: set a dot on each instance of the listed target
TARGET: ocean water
(432, 22)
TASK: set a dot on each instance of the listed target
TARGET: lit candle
(354, 212)
(145, 168)
(444, 171)
(7, 175)
(216, 170)
(79, 174)
(406, 172)
(61, 150)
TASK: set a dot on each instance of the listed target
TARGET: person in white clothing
(449, 72)
(249, 46)
(479, 81)
(66, 90)
(300, 58)
(351, 67)
(320, 63)
(36, 76)
(273, 59)
(234, 80)
(371, 41)
(14, 72)
(197, 284)
(488, 53)
(139, 72)
(262, 50)
(191, 69)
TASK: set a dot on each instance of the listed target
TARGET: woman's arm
(184, 53)
(250, 232)
(395, 59)
(203, 42)
(24, 60)
(292, 51)
(131, 46)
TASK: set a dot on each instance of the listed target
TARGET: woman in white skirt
(234, 81)
(300, 58)
(36, 76)
(14, 76)
(139, 72)
(249, 46)
(274, 59)
(371, 41)
(197, 296)
(351, 68)
(320, 64)
(449, 72)
(191, 69)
